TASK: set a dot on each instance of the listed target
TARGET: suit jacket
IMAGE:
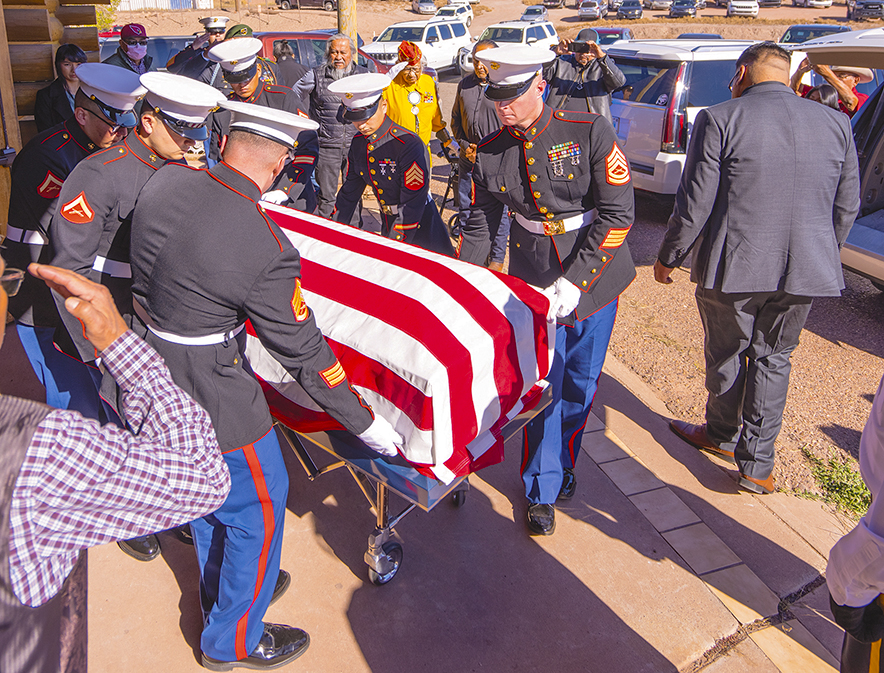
(769, 192)
(52, 106)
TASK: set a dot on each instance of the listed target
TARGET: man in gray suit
(769, 192)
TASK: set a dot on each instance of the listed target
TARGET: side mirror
(432, 39)
(531, 40)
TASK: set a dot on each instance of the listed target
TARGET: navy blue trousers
(70, 384)
(500, 232)
(238, 549)
(553, 439)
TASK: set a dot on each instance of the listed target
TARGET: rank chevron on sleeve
(616, 167)
(78, 210)
(414, 177)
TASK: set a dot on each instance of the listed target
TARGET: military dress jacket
(296, 179)
(393, 161)
(38, 173)
(566, 164)
(90, 230)
(206, 258)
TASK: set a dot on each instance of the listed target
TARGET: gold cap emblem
(494, 65)
(234, 62)
(349, 95)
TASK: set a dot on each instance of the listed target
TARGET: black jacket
(52, 106)
(117, 59)
(583, 88)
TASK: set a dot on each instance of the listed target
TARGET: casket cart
(377, 477)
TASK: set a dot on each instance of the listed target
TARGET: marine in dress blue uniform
(568, 184)
(242, 70)
(393, 162)
(103, 114)
(206, 258)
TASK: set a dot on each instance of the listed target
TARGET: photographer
(583, 76)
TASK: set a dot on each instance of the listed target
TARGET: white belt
(554, 227)
(28, 236)
(205, 340)
(112, 268)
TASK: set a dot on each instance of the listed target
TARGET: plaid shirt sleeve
(83, 485)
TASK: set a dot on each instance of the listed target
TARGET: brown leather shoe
(759, 486)
(696, 436)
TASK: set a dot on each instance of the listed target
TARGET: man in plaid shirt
(68, 483)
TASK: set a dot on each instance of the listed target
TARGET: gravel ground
(658, 334)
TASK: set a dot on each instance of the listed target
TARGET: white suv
(538, 33)
(743, 8)
(439, 41)
(667, 83)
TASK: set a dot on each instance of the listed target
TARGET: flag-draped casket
(446, 351)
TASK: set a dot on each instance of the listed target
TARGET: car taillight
(675, 120)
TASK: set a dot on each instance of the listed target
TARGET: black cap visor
(115, 117)
(241, 76)
(192, 130)
(361, 114)
(506, 92)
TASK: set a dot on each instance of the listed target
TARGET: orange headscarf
(410, 52)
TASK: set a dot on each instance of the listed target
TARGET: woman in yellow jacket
(413, 99)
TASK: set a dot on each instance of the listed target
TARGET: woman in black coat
(55, 103)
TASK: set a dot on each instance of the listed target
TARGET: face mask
(136, 51)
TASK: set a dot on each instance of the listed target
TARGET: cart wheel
(459, 498)
(393, 550)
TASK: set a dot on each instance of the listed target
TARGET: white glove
(276, 196)
(563, 298)
(381, 437)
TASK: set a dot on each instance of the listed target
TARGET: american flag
(446, 351)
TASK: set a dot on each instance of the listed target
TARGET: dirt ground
(658, 335)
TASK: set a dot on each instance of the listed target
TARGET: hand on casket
(381, 437)
(276, 196)
(563, 298)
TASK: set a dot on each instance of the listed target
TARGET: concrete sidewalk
(658, 564)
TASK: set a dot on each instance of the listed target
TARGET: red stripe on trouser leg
(524, 450)
(577, 433)
(267, 512)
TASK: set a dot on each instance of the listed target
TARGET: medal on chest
(414, 97)
(558, 153)
(387, 165)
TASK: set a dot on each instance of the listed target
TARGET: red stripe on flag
(422, 325)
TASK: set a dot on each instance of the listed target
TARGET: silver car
(657, 4)
(592, 9)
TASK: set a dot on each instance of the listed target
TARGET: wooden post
(347, 20)
(12, 135)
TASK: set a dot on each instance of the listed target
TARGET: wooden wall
(30, 32)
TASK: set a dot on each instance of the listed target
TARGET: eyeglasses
(733, 82)
(415, 70)
(113, 127)
(11, 281)
(132, 43)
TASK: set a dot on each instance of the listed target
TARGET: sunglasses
(11, 281)
(113, 127)
(132, 43)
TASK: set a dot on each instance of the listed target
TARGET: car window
(550, 31)
(536, 33)
(312, 52)
(608, 38)
(795, 36)
(445, 12)
(401, 33)
(431, 32)
(459, 30)
(709, 80)
(501, 34)
(445, 31)
(651, 82)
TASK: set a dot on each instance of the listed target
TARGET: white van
(667, 83)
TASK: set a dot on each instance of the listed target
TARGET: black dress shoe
(541, 519)
(278, 646)
(569, 485)
(183, 533)
(145, 548)
(282, 584)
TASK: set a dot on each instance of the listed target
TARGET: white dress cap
(359, 91)
(236, 55)
(211, 22)
(180, 97)
(115, 87)
(278, 125)
(512, 69)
